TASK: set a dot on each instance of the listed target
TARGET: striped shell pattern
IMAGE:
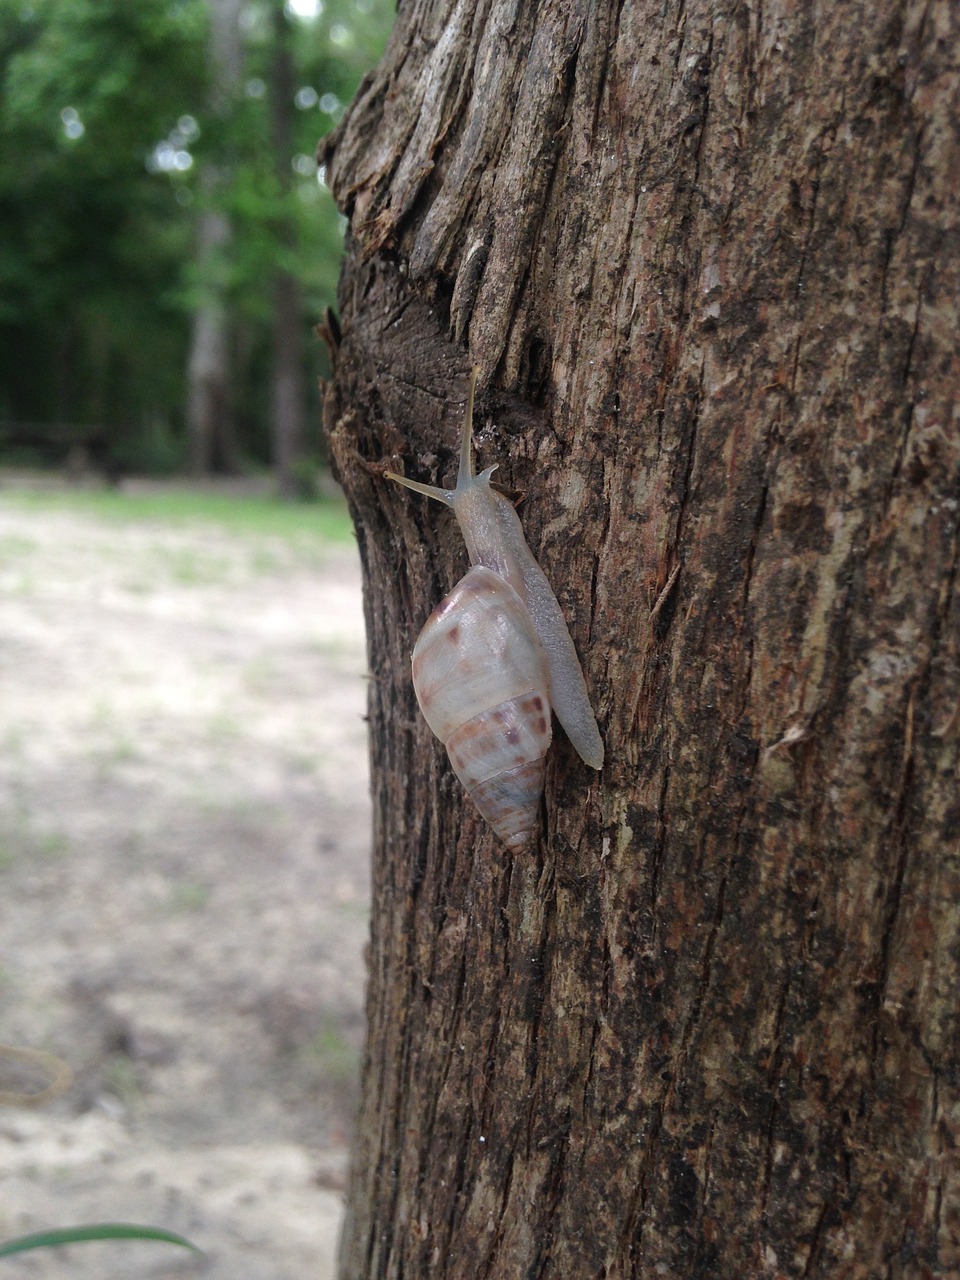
(480, 675)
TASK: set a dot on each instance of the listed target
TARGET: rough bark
(706, 256)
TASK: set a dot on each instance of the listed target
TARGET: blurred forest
(166, 242)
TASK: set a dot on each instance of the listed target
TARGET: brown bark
(707, 259)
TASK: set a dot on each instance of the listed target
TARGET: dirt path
(183, 889)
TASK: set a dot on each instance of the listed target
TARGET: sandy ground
(184, 838)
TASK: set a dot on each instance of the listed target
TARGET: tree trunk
(210, 432)
(208, 361)
(706, 257)
(288, 415)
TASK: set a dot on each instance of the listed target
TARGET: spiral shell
(481, 678)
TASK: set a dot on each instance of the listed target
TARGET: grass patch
(192, 568)
(325, 520)
(120, 1078)
(327, 1058)
(21, 841)
(188, 896)
(13, 548)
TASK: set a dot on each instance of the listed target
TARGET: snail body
(495, 656)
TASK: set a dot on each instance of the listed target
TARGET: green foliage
(105, 130)
(87, 255)
(95, 1231)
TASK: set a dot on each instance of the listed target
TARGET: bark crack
(630, 1241)
(824, 1217)
(659, 850)
(894, 234)
(819, 160)
(773, 1081)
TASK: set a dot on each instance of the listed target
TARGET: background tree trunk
(288, 412)
(706, 256)
(209, 422)
(210, 430)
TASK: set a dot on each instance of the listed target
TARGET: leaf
(94, 1231)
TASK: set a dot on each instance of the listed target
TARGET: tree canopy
(105, 121)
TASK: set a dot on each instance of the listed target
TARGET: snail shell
(495, 656)
(480, 675)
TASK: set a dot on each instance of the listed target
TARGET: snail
(495, 656)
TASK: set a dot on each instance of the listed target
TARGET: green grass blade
(95, 1231)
